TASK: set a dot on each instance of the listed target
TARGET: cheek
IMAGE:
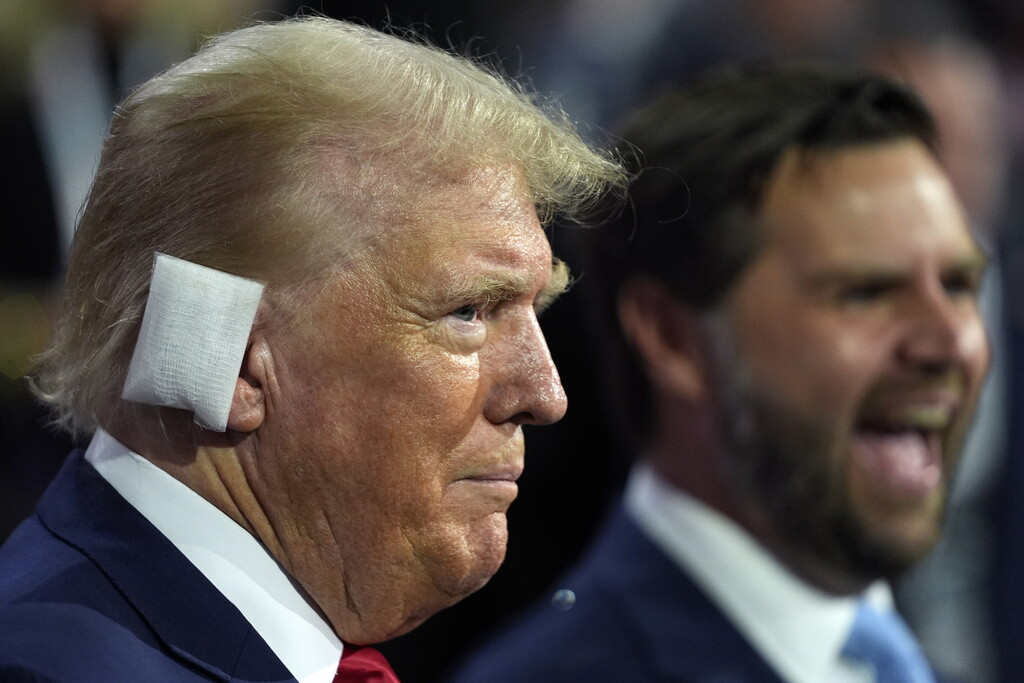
(383, 412)
(977, 348)
(398, 384)
(411, 428)
(851, 365)
(816, 368)
(431, 399)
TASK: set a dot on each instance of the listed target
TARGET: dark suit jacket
(91, 591)
(1007, 510)
(636, 618)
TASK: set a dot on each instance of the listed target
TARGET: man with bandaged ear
(300, 322)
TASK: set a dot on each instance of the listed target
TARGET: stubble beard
(795, 468)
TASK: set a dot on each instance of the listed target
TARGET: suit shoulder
(73, 642)
(58, 611)
(37, 567)
(566, 645)
(636, 617)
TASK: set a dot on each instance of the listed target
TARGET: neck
(208, 463)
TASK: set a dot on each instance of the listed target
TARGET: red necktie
(363, 665)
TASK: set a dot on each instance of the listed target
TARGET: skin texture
(393, 436)
(858, 317)
(376, 432)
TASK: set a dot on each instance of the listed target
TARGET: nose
(945, 331)
(527, 388)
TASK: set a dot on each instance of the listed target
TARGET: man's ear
(668, 337)
(249, 402)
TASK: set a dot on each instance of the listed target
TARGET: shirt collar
(237, 564)
(799, 629)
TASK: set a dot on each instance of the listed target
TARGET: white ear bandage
(193, 339)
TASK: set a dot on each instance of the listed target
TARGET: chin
(450, 577)
(474, 559)
(888, 546)
(912, 540)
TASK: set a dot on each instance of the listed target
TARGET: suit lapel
(689, 638)
(186, 612)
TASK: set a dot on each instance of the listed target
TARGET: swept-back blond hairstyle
(256, 155)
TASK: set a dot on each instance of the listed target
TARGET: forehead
(885, 202)
(496, 194)
(485, 218)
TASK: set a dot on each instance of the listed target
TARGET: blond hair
(246, 156)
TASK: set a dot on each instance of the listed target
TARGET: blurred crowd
(65, 63)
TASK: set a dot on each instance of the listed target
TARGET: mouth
(505, 474)
(496, 481)
(900, 452)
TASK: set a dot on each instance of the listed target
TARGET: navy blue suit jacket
(1007, 512)
(91, 591)
(636, 618)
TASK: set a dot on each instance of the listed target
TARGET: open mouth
(901, 456)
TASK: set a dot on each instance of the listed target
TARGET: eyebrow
(557, 285)
(973, 264)
(508, 285)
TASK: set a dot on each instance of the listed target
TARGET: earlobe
(249, 403)
(667, 336)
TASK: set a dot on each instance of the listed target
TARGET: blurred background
(65, 63)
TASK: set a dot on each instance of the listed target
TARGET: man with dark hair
(798, 285)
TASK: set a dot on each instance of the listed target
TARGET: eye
(467, 313)
(468, 325)
(864, 293)
(961, 285)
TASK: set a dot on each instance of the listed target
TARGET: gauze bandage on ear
(193, 339)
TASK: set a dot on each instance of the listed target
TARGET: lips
(503, 463)
(486, 492)
(502, 473)
(490, 477)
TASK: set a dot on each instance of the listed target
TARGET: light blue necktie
(881, 640)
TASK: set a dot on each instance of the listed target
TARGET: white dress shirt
(228, 556)
(798, 629)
